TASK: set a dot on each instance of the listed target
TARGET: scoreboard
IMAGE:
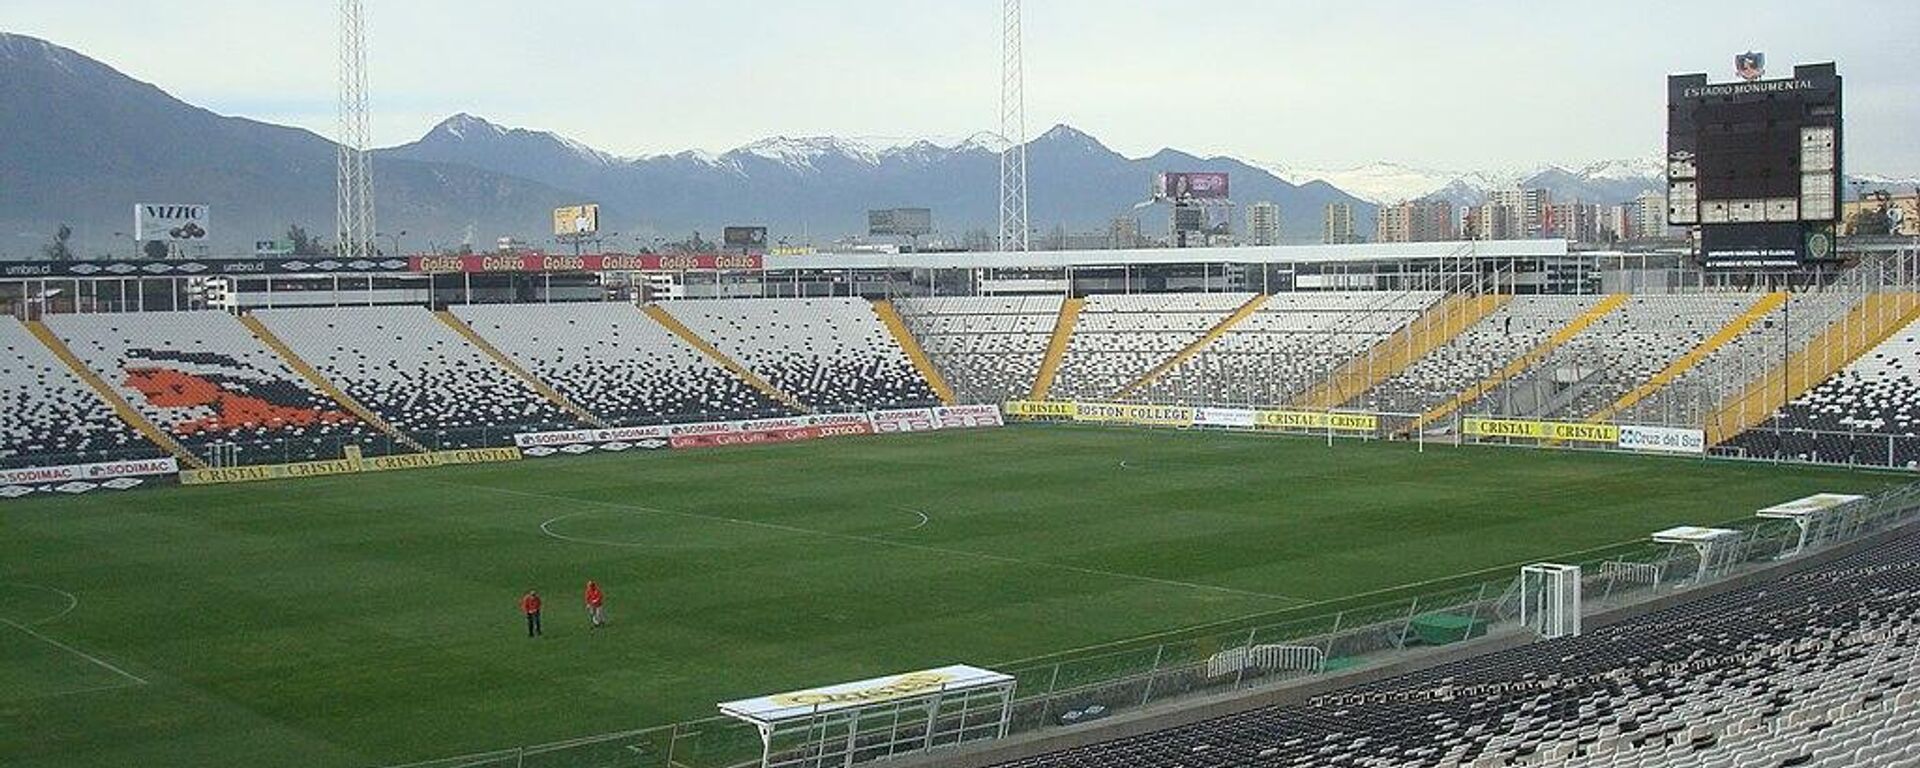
(1756, 165)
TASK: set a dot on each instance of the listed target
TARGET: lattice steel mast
(1013, 132)
(353, 180)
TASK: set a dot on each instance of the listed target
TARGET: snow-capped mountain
(1609, 181)
(1868, 182)
(823, 185)
(1381, 182)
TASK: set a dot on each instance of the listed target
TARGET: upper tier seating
(1478, 352)
(1811, 669)
(832, 354)
(48, 416)
(1725, 372)
(1617, 353)
(203, 378)
(1868, 413)
(1118, 338)
(989, 348)
(617, 363)
(417, 374)
(1295, 340)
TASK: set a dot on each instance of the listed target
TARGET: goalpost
(1550, 599)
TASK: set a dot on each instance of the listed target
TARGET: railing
(1085, 685)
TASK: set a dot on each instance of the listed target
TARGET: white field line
(72, 602)
(923, 518)
(138, 680)
(544, 528)
(891, 543)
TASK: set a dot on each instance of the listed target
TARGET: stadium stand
(1625, 347)
(416, 373)
(1120, 337)
(1295, 340)
(832, 354)
(1868, 413)
(617, 363)
(989, 348)
(1725, 371)
(48, 416)
(1816, 668)
(1477, 353)
(206, 381)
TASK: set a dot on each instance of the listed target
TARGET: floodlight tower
(1013, 132)
(353, 181)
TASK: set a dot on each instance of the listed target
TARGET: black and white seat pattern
(1820, 668)
(989, 348)
(1118, 338)
(1625, 348)
(617, 363)
(1868, 413)
(48, 416)
(417, 374)
(205, 380)
(1724, 373)
(1294, 341)
(832, 354)
(1478, 352)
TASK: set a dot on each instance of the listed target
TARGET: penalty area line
(137, 680)
(892, 543)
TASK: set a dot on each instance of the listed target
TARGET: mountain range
(84, 142)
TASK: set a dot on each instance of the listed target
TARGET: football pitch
(363, 620)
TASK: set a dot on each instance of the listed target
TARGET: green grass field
(372, 619)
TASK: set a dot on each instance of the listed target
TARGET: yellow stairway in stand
(121, 407)
(1432, 329)
(1219, 329)
(313, 377)
(1057, 347)
(1871, 321)
(1677, 368)
(677, 328)
(896, 325)
(552, 395)
(1520, 364)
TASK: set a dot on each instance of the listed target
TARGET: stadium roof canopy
(1279, 254)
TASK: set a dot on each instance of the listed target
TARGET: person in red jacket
(530, 605)
(596, 605)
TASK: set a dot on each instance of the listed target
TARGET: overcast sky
(1468, 84)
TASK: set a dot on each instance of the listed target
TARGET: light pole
(393, 238)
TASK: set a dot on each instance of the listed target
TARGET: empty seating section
(48, 416)
(1477, 353)
(617, 363)
(830, 354)
(1868, 413)
(1618, 352)
(1724, 373)
(1819, 668)
(205, 380)
(416, 373)
(989, 349)
(1120, 338)
(1295, 340)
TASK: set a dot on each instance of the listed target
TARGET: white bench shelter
(1817, 516)
(848, 723)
